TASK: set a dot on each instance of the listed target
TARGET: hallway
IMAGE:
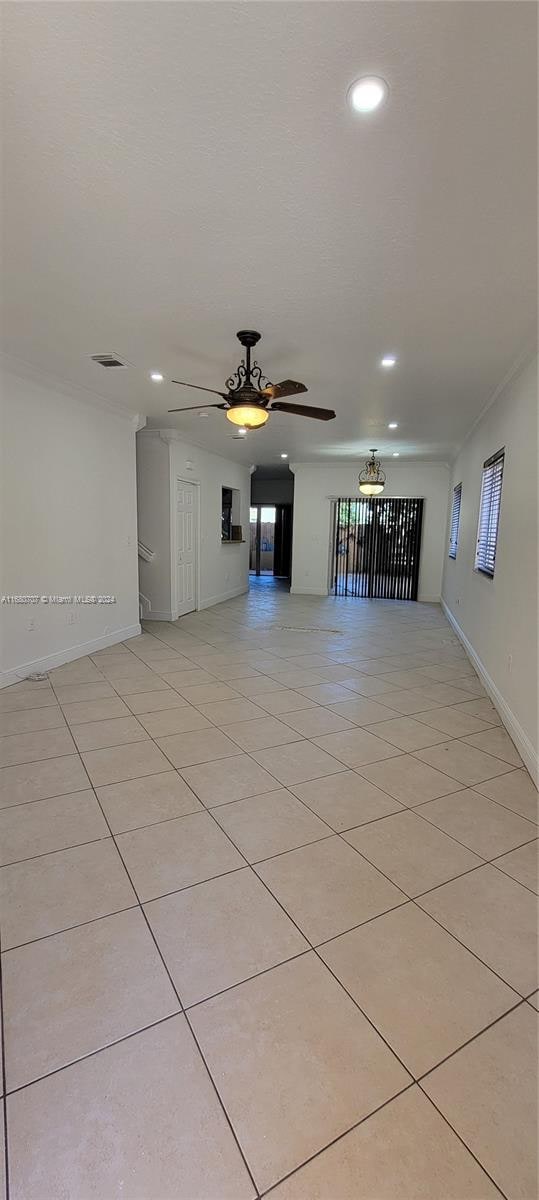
(268, 914)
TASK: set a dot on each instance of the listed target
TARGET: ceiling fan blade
(287, 387)
(182, 383)
(197, 407)
(304, 410)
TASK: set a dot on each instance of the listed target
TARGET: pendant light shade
(249, 415)
(372, 479)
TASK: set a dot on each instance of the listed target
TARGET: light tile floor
(268, 915)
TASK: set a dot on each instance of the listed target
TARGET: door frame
(259, 505)
(194, 483)
(281, 506)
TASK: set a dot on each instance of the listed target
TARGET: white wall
(68, 524)
(316, 484)
(223, 569)
(498, 616)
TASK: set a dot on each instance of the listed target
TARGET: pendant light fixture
(372, 479)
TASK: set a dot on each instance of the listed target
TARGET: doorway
(186, 547)
(270, 536)
(376, 547)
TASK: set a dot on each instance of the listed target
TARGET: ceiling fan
(250, 397)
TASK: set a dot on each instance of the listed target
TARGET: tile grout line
(223, 1107)
(175, 990)
(340, 833)
(339, 1138)
(248, 978)
(484, 861)
(178, 997)
(278, 854)
(493, 862)
(410, 899)
(368, 1117)
(339, 983)
(73, 1062)
(240, 749)
(16, 862)
(313, 948)
(67, 928)
(495, 1021)
(463, 1143)
(356, 770)
(250, 866)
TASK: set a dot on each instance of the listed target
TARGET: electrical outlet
(31, 625)
(509, 663)
(71, 618)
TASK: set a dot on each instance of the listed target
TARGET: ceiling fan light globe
(371, 489)
(251, 416)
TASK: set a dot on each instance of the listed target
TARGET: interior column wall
(223, 569)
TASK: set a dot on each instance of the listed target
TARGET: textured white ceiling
(177, 171)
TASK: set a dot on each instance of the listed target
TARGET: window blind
(489, 513)
(455, 521)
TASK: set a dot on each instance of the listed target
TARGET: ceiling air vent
(107, 360)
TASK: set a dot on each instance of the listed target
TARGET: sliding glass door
(376, 547)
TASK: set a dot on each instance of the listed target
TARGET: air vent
(107, 360)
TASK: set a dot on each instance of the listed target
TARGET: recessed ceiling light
(396, 454)
(284, 455)
(393, 425)
(156, 377)
(367, 94)
(388, 361)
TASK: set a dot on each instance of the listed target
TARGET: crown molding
(337, 464)
(518, 365)
(168, 436)
(28, 371)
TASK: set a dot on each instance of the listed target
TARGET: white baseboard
(211, 600)
(154, 615)
(527, 751)
(16, 674)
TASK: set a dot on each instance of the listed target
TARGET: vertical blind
(489, 513)
(377, 544)
(455, 521)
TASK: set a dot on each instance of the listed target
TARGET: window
(489, 514)
(455, 521)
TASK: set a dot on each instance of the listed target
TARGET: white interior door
(186, 546)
